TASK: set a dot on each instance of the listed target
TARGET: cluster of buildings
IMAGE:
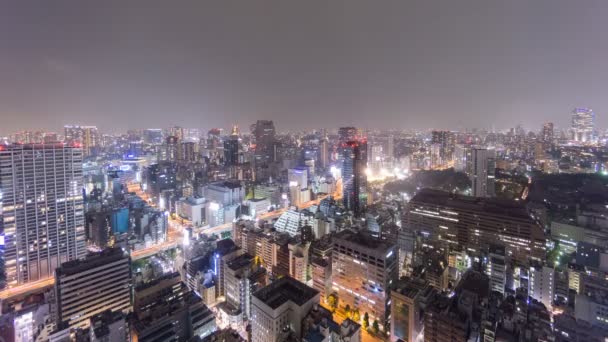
(265, 236)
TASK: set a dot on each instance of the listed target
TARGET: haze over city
(304, 171)
(398, 64)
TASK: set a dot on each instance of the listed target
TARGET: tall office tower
(363, 268)
(85, 136)
(583, 125)
(346, 134)
(177, 132)
(265, 141)
(279, 309)
(541, 284)
(390, 148)
(153, 136)
(324, 152)
(87, 287)
(496, 268)
(354, 178)
(476, 223)
(243, 277)
(226, 251)
(547, 134)
(166, 310)
(462, 158)
(446, 141)
(187, 152)
(231, 148)
(408, 297)
(41, 210)
(483, 165)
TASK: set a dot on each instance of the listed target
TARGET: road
(174, 237)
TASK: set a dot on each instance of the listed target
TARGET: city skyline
(214, 65)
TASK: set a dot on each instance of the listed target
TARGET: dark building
(265, 141)
(476, 223)
(166, 310)
(161, 176)
(354, 179)
(231, 150)
(87, 287)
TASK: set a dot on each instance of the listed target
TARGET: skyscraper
(583, 124)
(231, 148)
(482, 168)
(85, 136)
(354, 179)
(41, 210)
(324, 152)
(265, 141)
(445, 141)
(547, 134)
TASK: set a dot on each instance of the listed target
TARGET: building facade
(41, 210)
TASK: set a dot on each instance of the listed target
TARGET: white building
(258, 206)
(279, 308)
(298, 261)
(496, 269)
(541, 285)
(192, 209)
(298, 177)
(292, 220)
(42, 210)
(482, 172)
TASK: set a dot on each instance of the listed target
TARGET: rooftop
(363, 239)
(495, 206)
(284, 290)
(91, 261)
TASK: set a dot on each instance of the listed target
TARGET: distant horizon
(373, 65)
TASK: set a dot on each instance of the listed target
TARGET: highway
(174, 237)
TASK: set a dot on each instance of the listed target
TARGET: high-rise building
(279, 309)
(541, 284)
(476, 223)
(496, 268)
(243, 276)
(86, 137)
(346, 134)
(265, 141)
(583, 125)
(363, 267)
(321, 276)
(462, 158)
(482, 168)
(41, 210)
(354, 178)
(87, 287)
(324, 152)
(445, 140)
(547, 134)
(231, 148)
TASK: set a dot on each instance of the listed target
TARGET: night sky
(305, 64)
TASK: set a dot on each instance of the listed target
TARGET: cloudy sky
(305, 64)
